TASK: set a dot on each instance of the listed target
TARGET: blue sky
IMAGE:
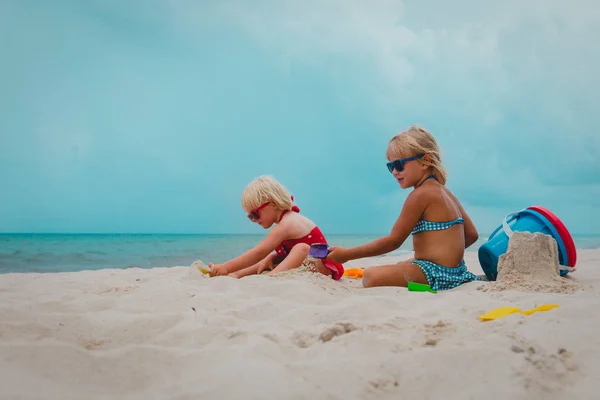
(152, 116)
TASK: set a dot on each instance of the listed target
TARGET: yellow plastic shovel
(504, 311)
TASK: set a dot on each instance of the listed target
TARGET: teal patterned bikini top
(424, 226)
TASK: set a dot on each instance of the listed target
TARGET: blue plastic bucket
(521, 221)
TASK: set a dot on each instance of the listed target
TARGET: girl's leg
(294, 259)
(393, 275)
(245, 272)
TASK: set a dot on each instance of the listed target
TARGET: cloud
(511, 86)
(522, 74)
(141, 98)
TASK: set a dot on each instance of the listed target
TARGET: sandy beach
(171, 333)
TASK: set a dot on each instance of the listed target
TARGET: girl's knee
(301, 248)
(368, 279)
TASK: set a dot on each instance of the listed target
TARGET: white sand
(160, 333)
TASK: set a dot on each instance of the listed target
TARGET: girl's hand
(218, 269)
(266, 264)
(338, 254)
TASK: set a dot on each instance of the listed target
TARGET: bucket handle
(505, 226)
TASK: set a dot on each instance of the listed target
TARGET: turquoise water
(61, 253)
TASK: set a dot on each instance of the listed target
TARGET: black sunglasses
(398, 165)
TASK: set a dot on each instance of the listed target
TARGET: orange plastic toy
(355, 273)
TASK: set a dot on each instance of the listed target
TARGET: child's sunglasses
(398, 165)
(254, 215)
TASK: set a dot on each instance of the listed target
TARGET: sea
(43, 253)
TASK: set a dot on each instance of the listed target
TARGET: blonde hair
(266, 189)
(415, 141)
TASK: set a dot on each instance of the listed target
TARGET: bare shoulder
(441, 202)
(296, 225)
(455, 200)
(420, 199)
(281, 231)
(429, 193)
(449, 193)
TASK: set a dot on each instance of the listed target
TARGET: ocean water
(73, 252)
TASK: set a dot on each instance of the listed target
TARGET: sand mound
(308, 266)
(531, 265)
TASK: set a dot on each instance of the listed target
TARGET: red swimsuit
(314, 236)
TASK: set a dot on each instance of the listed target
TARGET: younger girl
(286, 246)
(440, 226)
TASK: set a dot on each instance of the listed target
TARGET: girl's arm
(413, 208)
(277, 235)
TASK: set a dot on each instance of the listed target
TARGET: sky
(152, 116)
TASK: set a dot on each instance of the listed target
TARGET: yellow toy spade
(504, 311)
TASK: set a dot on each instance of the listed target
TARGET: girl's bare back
(444, 247)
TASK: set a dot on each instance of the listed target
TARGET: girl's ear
(426, 160)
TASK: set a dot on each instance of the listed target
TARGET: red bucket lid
(562, 231)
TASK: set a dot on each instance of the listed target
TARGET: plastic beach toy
(535, 219)
(318, 250)
(205, 270)
(420, 287)
(200, 266)
(505, 311)
(355, 273)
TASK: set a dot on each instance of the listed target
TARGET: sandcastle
(531, 265)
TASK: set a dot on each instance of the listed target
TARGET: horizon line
(213, 234)
(162, 233)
